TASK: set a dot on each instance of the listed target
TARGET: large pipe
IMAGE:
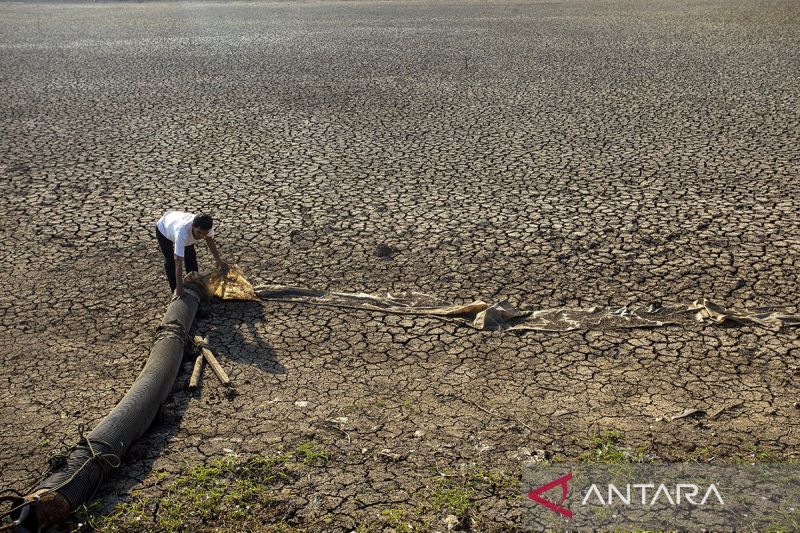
(99, 452)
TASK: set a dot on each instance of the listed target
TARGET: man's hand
(212, 247)
(178, 293)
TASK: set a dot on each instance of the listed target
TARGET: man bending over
(177, 233)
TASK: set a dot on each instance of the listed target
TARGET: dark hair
(203, 221)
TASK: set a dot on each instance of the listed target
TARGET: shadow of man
(233, 331)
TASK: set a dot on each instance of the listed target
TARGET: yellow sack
(230, 285)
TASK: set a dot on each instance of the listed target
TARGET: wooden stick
(194, 381)
(212, 361)
(216, 367)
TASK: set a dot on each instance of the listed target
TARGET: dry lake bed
(551, 154)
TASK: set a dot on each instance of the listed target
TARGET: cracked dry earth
(551, 154)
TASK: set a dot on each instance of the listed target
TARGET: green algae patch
(228, 494)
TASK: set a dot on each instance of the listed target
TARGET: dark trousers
(168, 249)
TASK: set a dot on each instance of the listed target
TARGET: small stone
(389, 454)
(384, 250)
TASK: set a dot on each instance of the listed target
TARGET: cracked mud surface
(552, 154)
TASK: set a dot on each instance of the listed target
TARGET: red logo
(535, 495)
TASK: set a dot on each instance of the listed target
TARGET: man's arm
(178, 276)
(212, 247)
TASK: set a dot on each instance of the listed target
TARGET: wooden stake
(212, 361)
(194, 381)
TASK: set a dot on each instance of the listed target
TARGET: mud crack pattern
(590, 153)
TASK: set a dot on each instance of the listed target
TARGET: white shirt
(177, 227)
